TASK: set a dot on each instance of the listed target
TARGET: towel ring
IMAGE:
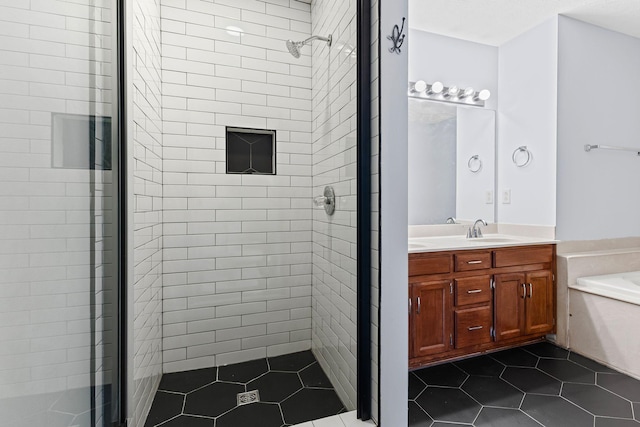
(475, 164)
(521, 149)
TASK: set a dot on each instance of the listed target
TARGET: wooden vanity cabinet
(431, 327)
(473, 301)
(526, 304)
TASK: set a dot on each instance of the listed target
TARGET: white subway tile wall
(237, 248)
(57, 268)
(334, 125)
(146, 142)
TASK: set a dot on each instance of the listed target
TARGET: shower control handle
(326, 201)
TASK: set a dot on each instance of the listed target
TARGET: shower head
(294, 47)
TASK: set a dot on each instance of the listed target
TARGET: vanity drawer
(476, 260)
(433, 264)
(523, 256)
(473, 326)
(473, 290)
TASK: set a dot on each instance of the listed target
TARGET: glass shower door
(58, 213)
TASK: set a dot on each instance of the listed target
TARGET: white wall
(145, 196)
(527, 115)
(433, 57)
(394, 336)
(56, 224)
(237, 248)
(334, 125)
(598, 193)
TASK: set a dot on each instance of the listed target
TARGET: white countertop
(458, 242)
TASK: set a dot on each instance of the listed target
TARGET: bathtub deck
(536, 385)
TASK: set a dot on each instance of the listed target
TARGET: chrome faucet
(475, 232)
(451, 220)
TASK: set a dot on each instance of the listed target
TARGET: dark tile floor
(532, 386)
(293, 389)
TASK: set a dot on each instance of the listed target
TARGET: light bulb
(420, 86)
(466, 93)
(483, 95)
(436, 88)
(451, 91)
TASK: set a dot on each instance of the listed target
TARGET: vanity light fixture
(437, 91)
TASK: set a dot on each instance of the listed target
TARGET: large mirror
(453, 148)
(553, 69)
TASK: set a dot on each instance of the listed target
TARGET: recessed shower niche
(251, 151)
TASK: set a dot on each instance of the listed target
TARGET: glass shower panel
(58, 222)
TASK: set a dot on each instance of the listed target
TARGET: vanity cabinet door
(510, 295)
(539, 305)
(432, 315)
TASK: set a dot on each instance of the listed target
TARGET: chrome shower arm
(329, 39)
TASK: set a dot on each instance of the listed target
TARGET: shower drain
(248, 397)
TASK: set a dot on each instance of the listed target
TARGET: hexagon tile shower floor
(292, 389)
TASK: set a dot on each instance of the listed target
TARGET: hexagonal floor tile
(243, 372)
(293, 362)
(554, 411)
(545, 349)
(417, 417)
(636, 411)
(516, 357)
(567, 371)
(481, 365)
(439, 424)
(275, 386)
(531, 380)
(165, 406)
(310, 404)
(252, 415)
(314, 376)
(447, 375)
(213, 400)
(188, 421)
(597, 400)
(615, 422)
(499, 417)
(415, 386)
(448, 404)
(590, 364)
(622, 385)
(492, 391)
(185, 382)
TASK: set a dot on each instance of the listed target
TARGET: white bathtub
(604, 318)
(621, 286)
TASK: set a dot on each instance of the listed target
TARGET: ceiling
(494, 22)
